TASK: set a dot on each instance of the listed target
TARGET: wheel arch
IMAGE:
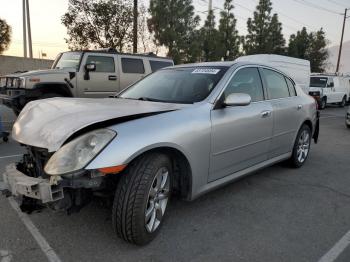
(182, 181)
(52, 87)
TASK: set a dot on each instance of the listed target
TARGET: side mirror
(331, 84)
(89, 68)
(237, 99)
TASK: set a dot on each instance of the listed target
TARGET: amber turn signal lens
(112, 169)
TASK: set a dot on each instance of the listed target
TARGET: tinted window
(156, 65)
(103, 63)
(291, 87)
(133, 66)
(176, 85)
(276, 84)
(246, 80)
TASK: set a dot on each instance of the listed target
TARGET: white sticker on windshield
(210, 71)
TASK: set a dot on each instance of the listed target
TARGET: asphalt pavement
(278, 214)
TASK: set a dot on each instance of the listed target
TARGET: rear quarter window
(291, 87)
(156, 65)
(133, 66)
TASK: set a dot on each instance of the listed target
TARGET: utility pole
(24, 30)
(210, 6)
(341, 41)
(29, 32)
(135, 27)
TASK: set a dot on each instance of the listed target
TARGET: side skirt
(235, 176)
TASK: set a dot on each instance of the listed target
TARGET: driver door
(241, 135)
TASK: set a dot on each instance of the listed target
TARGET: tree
(229, 39)
(264, 31)
(173, 24)
(310, 46)
(275, 38)
(318, 54)
(209, 39)
(5, 35)
(298, 44)
(99, 24)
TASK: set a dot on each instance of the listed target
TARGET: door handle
(300, 107)
(265, 114)
(112, 78)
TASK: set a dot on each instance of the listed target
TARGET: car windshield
(185, 85)
(318, 81)
(68, 60)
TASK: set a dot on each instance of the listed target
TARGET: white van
(329, 89)
(297, 69)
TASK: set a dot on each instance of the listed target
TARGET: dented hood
(50, 122)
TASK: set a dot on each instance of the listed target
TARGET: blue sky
(48, 33)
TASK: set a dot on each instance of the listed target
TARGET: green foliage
(5, 35)
(99, 24)
(209, 39)
(264, 32)
(310, 46)
(173, 24)
(228, 37)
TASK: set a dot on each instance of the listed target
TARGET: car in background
(184, 130)
(329, 89)
(91, 74)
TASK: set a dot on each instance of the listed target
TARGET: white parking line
(1, 157)
(337, 249)
(44, 245)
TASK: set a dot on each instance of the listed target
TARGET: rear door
(132, 69)
(287, 111)
(101, 83)
(241, 135)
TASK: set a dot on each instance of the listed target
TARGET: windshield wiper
(144, 98)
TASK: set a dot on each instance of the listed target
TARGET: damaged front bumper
(19, 184)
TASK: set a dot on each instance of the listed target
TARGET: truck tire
(141, 198)
(301, 147)
(343, 102)
(323, 103)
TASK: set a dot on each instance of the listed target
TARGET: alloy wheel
(158, 197)
(303, 146)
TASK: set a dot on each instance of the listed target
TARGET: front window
(176, 85)
(318, 81)
(67, 60)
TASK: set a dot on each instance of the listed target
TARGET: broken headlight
(76, 154)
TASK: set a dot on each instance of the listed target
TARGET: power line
(317, 7)
(336, 3)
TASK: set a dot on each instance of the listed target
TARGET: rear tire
(141, 198)
(301, 147)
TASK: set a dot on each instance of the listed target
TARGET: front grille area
(34, 161)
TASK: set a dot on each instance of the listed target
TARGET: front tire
(343, 102)
(323, 103)
(301, 147)
(141, 198)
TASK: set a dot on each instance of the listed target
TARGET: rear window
(156, 65)
(133, 66)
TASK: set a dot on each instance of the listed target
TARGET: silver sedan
(183, 131)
